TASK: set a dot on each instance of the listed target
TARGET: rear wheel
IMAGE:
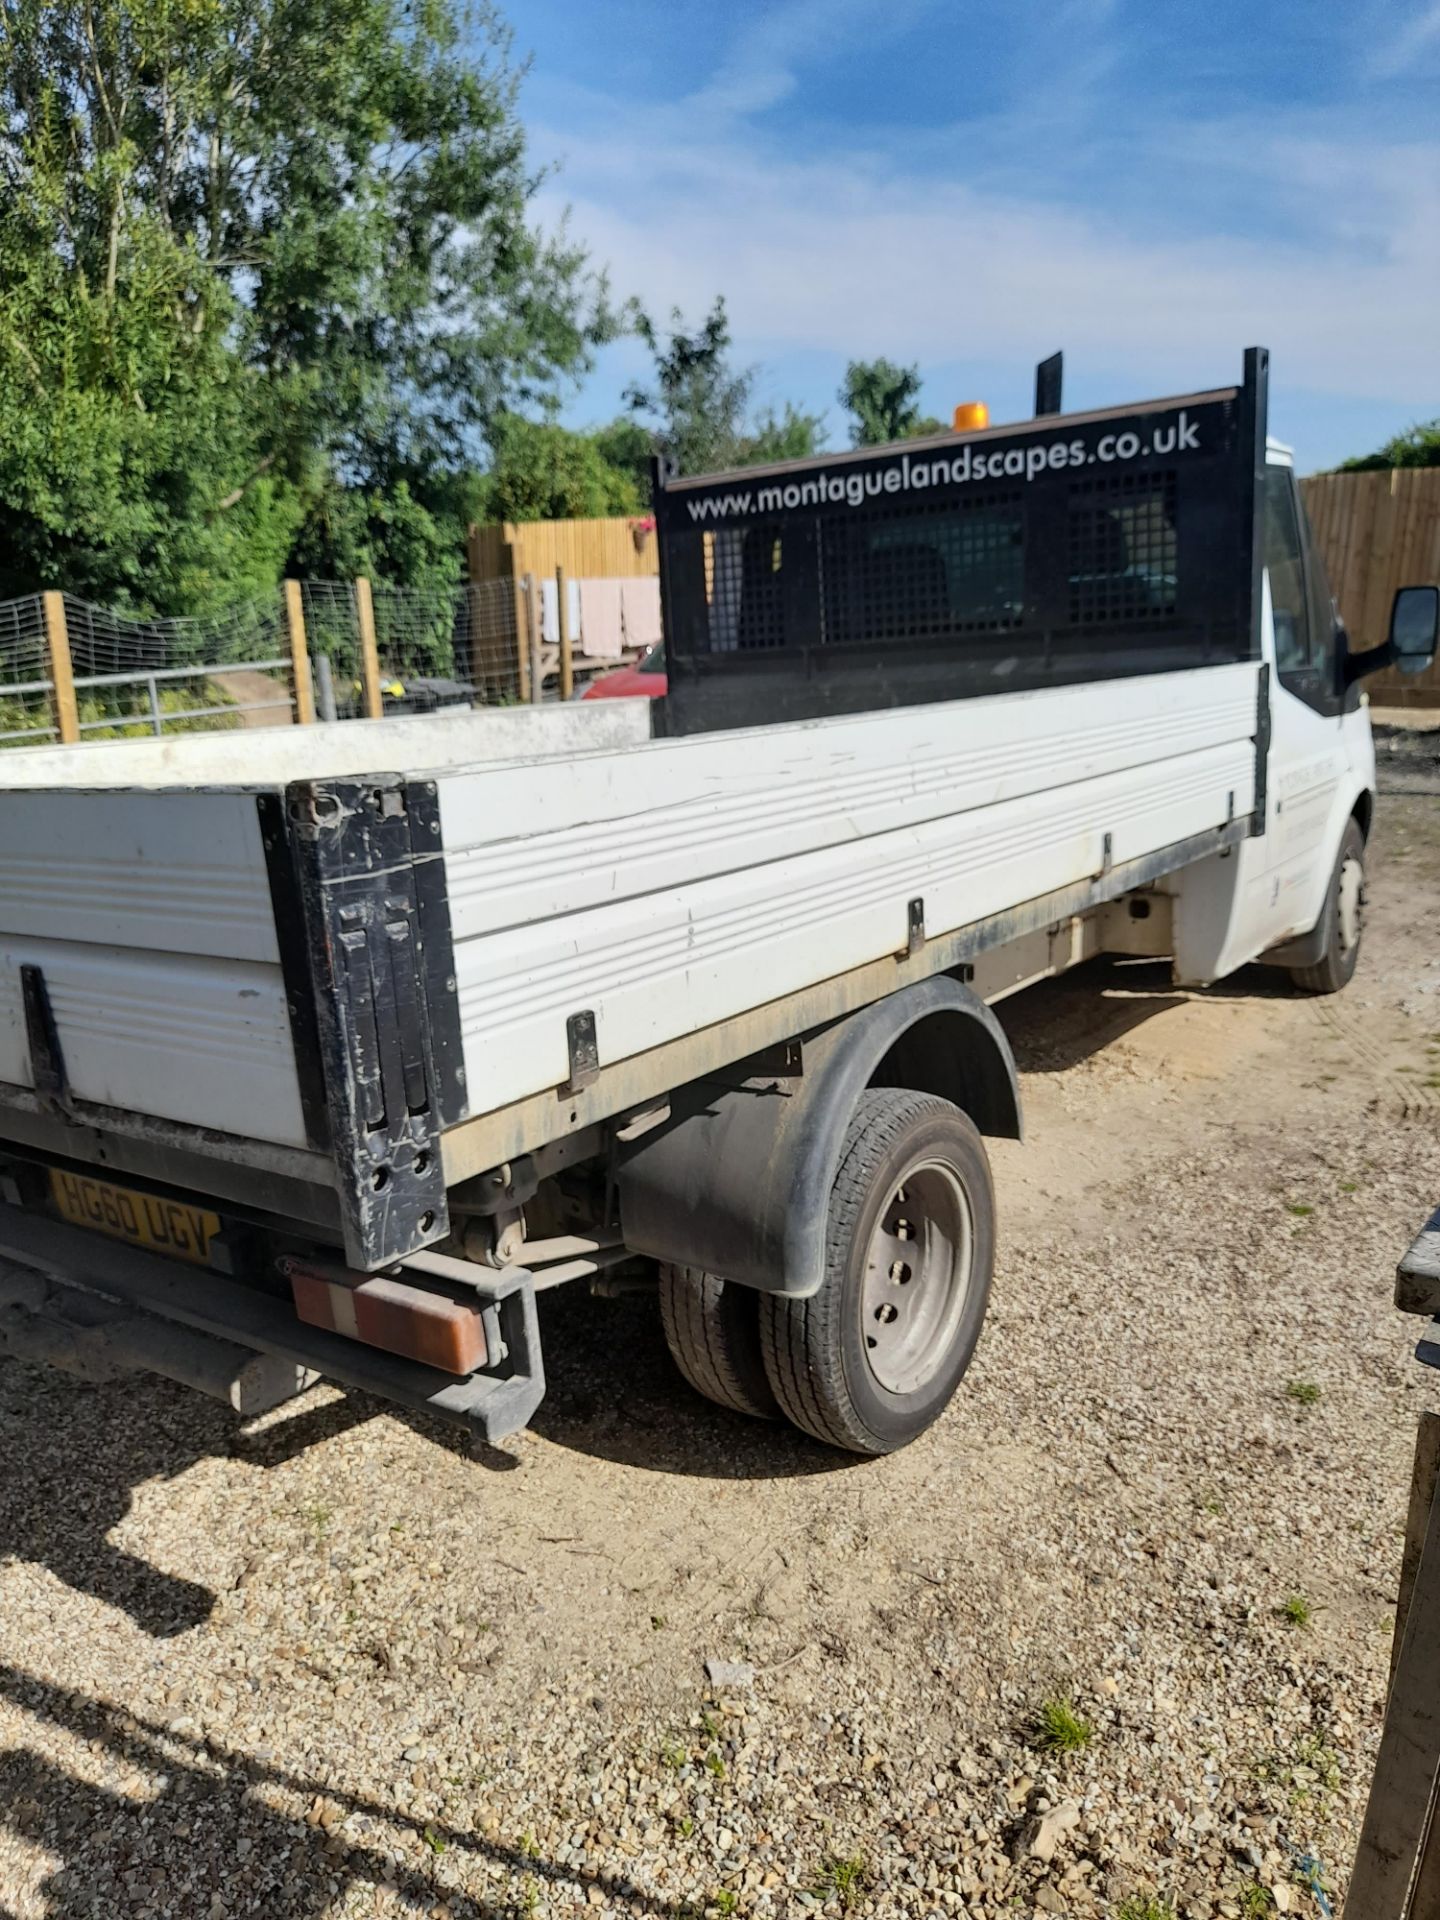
(712, 1329)
(872, 1359)
(1343, 920)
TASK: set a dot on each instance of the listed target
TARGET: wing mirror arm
(1359, 666)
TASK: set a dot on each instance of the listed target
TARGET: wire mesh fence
(434, 648)
(26, 715)
(136, 677)
(491, 640)
(332, 633)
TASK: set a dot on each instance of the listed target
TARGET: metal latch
(584, 1046)
(914, 928)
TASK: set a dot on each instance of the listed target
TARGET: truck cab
(1296, 892)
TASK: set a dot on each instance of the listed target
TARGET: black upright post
(1047, 385)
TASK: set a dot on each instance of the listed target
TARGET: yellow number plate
(164, 1226)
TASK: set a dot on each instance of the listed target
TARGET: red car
(644, 681)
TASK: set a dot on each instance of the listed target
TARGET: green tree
(542, 471)
(1417, 446)
(627, 444)
(301, 237)
(787, 435)
(128, 447)
(699, 404)
(698, 401)
(883, 402)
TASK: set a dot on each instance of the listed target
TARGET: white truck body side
(663, 887)
(672, 887)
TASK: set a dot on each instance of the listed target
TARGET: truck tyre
(871, 1360)
(712, 1329)
(1343, 919)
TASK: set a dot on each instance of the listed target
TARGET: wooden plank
(522, 641)
(369, 652)
(299, 655)
(1417, 1278)
(488, 553)
(1375, 558)
(1423, 1480)
(1402, 1788)
(1357, 533)
(1354, 518)
(567, 657)
(1416, 497)
(536, 675)
(62, 675)
(1425, 1901)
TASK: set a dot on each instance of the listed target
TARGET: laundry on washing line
(550, 612)
(640, 600)
(602, 619)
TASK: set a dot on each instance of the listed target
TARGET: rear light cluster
(438, 1329)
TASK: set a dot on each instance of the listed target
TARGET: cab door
(1308, 761)
(1235, 906)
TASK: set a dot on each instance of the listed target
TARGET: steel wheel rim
(1351, 903)
(919, 1267)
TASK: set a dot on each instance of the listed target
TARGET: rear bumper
(100, 1308)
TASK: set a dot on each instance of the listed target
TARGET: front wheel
(871, 1360)
(1343, 920)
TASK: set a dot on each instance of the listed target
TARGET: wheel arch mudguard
(738, 1179)
(1308, 949)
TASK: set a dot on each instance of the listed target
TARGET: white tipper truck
(324, 1050)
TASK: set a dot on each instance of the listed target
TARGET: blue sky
(969, 184)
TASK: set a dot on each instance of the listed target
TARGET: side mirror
(1414, 627)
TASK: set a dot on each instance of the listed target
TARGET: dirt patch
(260, 700)
(337, 1664)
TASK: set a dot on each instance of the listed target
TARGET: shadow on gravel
(1057, 1024)
(613, 1392)
(1407, 760)
(1256, 983)
(74, 1454)
(198, 1825)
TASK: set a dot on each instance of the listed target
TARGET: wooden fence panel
(587, 549)
(1377, 532)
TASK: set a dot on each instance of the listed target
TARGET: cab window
(1295, 641)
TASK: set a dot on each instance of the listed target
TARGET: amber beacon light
(971, 415)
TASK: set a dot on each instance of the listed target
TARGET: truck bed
(649, 888)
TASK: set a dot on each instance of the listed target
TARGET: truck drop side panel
(665, 889)
(653, 891)
(149, 917)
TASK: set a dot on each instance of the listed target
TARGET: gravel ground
(1116, 1632)
(1407, 748)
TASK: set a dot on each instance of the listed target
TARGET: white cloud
(852, 255)
(1418, 37)
(763, 66)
